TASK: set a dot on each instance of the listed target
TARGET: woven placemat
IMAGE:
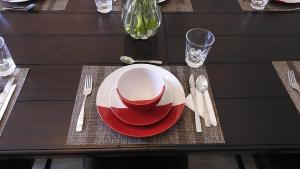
(167, 6)
(44, 5)
(20, 75)
(271, 6)
(96, 132)
(282, 68)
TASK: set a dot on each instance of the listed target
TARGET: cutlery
(193, 92)
(87, 90)
(19, 8)
(294, 9)
(161, 1)
(292, 80)
(6, 88)
(129, 60)
(202, 85)
(17, 1)
(6, 95)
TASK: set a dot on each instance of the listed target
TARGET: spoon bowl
(126, 60)
(202, 83)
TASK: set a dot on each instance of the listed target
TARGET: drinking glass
(258, 4)
(104, 6)
(7, 65)
(198, 43)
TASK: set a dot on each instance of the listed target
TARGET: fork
(292, 80)
(87, 90)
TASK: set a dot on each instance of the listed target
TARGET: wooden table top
(255, 110)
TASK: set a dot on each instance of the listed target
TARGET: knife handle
(210, 109)
(198, 123)
(7, 99)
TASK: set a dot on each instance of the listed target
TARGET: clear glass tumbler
(198, 43)
(104, 6)
(7, 65)
(258, 4)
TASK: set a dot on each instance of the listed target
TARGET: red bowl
(140, 88)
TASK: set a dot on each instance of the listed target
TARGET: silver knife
(5, 91)
(6, 100)
(197, 114)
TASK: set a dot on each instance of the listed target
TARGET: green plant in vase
(141, 18)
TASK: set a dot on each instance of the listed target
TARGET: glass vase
(141, 18)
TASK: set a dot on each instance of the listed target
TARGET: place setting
(289, 73)
(12, 79)
(145, 103)
(269, 5)
(33, 5)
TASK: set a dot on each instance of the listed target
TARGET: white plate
(102, 98)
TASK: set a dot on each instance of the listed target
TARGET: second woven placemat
(167, 6)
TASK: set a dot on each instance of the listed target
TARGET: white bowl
(140, 88)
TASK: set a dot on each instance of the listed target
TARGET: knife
(197, 114)
(5, 91)
(7, 99)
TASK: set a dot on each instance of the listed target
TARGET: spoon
(19, 8)
(129, 60)
(202, 85)
(161, 1)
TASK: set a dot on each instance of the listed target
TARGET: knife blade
(193, 93)
(6, 101)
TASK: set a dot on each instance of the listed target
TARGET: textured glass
(141, 18)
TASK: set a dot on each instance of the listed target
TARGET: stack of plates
(140, 123)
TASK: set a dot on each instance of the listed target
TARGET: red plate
(136, 117)
(140, 131)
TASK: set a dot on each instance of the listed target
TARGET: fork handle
(79, 124)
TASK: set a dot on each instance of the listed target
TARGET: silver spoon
(161, 1)
(129, 60)
(202, 85)
(19, 8)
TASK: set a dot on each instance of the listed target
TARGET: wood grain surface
(248, 92)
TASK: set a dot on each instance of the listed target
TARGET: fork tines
(88, 82)
(292, 80)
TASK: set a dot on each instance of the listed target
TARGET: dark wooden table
(256, 112)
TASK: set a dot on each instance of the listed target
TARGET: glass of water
(104, 6)
(258, 4)
(7, 65)
(198, 43)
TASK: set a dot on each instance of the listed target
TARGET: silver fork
(292, 80)
(87, 90)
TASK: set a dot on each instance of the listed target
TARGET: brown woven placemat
(20, 75)
(282, 68)
(95, 132)
(271, 6)
(167, 6)
(44, 5)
